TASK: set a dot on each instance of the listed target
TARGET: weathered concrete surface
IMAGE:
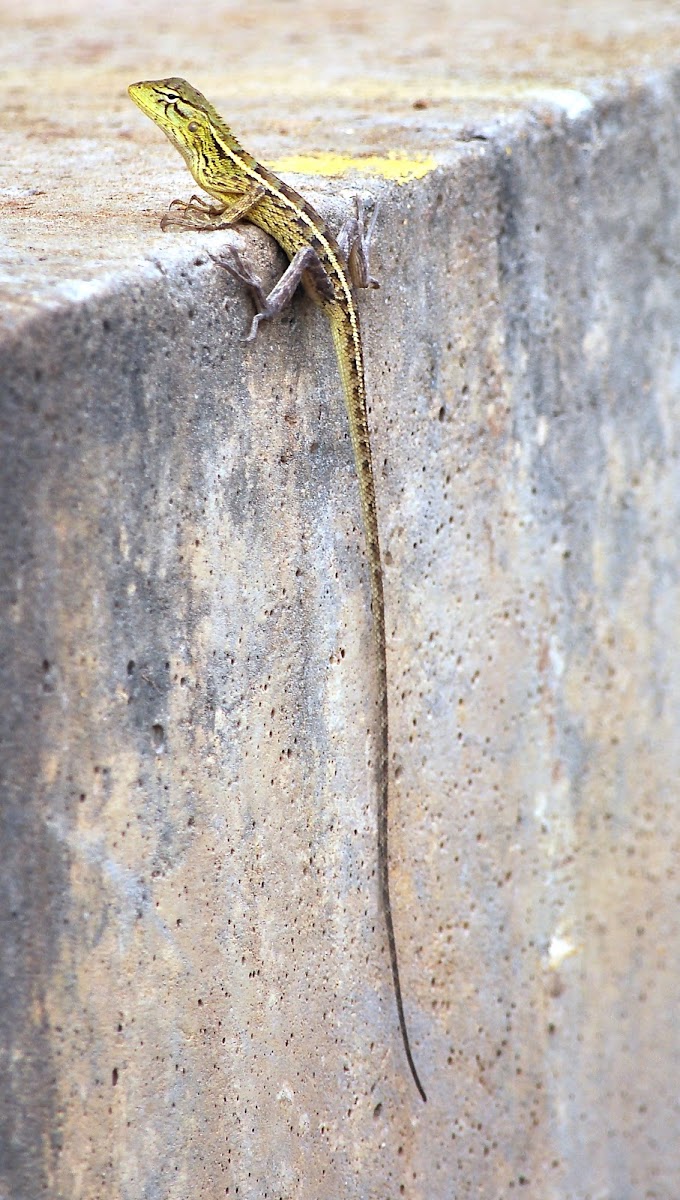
(196, 998)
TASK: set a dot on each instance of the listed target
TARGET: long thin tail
(350, 360)
(383, 813)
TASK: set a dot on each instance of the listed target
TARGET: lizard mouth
(145, 99)
(136, 93)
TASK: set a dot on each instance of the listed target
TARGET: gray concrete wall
(195, 995)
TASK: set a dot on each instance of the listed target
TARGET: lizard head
(191, 123)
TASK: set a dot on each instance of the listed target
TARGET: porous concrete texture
(195, 997)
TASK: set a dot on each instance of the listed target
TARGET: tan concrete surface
(82, 175)
(195, 997)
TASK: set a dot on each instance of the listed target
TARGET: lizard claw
(254, 327)
(230, 260)
(354, 240)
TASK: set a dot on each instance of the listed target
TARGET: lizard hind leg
(354, 239)
(230, 260)
(270, 304)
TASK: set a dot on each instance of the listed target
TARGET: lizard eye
(192, 126)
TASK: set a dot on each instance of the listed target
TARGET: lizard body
(329, 269)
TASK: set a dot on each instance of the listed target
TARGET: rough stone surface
(195, 997)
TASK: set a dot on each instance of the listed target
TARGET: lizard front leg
(198, 213)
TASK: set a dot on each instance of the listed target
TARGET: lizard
(330, 269)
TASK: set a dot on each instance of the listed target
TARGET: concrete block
(195, 996)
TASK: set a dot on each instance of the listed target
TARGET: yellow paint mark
(396, 166)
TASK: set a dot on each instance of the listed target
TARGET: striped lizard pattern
(329, 269)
